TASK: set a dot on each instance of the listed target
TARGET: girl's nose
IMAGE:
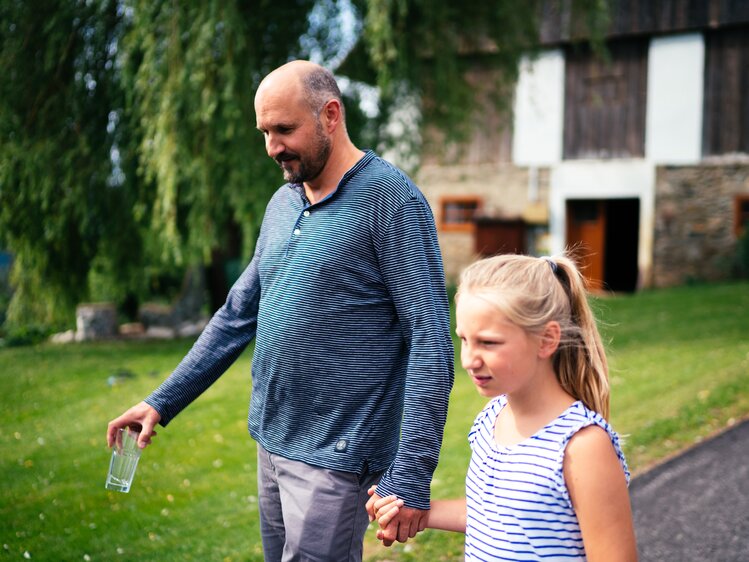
(469, 359)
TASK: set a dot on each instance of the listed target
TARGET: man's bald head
(316, 85)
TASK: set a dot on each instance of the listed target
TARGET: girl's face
(500, 357)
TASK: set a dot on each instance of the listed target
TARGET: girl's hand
(370, 503)
(385, 510)
(382, 509)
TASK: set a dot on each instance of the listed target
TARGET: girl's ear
(550, 338)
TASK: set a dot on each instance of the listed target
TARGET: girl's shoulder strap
(577, 417)
(486, 417)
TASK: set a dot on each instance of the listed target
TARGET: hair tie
(552, 264)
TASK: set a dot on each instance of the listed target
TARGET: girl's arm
(598, 490)
(447, 515)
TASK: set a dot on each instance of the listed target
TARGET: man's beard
(308, 168)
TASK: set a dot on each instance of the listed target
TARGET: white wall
(539, 110)
(613, 179)
(673, 131)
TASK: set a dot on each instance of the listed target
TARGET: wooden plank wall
(726, 103)
(636, 17)
(604, 114)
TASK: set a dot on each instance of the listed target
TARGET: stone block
(96, 321)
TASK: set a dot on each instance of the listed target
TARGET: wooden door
(586, 237)
(500, 236)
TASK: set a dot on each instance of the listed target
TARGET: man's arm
(412, 267)
(222, 341)
(224, 338)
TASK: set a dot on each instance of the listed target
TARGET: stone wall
(694, 231)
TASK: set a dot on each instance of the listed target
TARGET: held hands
(397, 522)
(141, 418)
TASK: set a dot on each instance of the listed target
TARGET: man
(345, 296)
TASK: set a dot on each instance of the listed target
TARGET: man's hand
(141, 418)
(404, 523)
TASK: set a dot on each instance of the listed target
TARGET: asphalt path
(695, 507)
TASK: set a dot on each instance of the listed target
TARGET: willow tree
(189, 71)
(127, 136)
(57, 203)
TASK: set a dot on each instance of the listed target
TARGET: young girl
(547, 477)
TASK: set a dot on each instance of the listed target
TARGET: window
(458, 213)
(741, 214)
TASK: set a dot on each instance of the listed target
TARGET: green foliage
(29, 334)
(128, 140)
(5, 289)
(55, 204)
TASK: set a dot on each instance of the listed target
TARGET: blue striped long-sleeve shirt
(353, 360)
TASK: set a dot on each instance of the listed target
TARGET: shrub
(25, 335)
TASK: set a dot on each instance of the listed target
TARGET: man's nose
(273, 146)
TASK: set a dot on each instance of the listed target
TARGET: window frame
(449, 224)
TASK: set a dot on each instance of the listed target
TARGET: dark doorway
(622, 239)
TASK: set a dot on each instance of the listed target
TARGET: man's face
(306, 165)
(294, 137)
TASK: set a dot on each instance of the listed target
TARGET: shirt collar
(360, 164)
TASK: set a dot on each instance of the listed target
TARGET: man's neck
(340, 162)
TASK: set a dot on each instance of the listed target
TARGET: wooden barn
(640, 161)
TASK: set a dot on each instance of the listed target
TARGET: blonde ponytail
(582, 369)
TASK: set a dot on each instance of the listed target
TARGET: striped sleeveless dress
(518, 506)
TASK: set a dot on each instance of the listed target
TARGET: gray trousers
(309, 513)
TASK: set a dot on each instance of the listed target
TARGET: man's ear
(550, 339)
(332, 115)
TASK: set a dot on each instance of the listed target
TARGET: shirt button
(306, 213)
(297, 232)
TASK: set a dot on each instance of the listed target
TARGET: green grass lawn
(680, 372)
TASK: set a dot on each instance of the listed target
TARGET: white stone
(63, 337)
(160, 333)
